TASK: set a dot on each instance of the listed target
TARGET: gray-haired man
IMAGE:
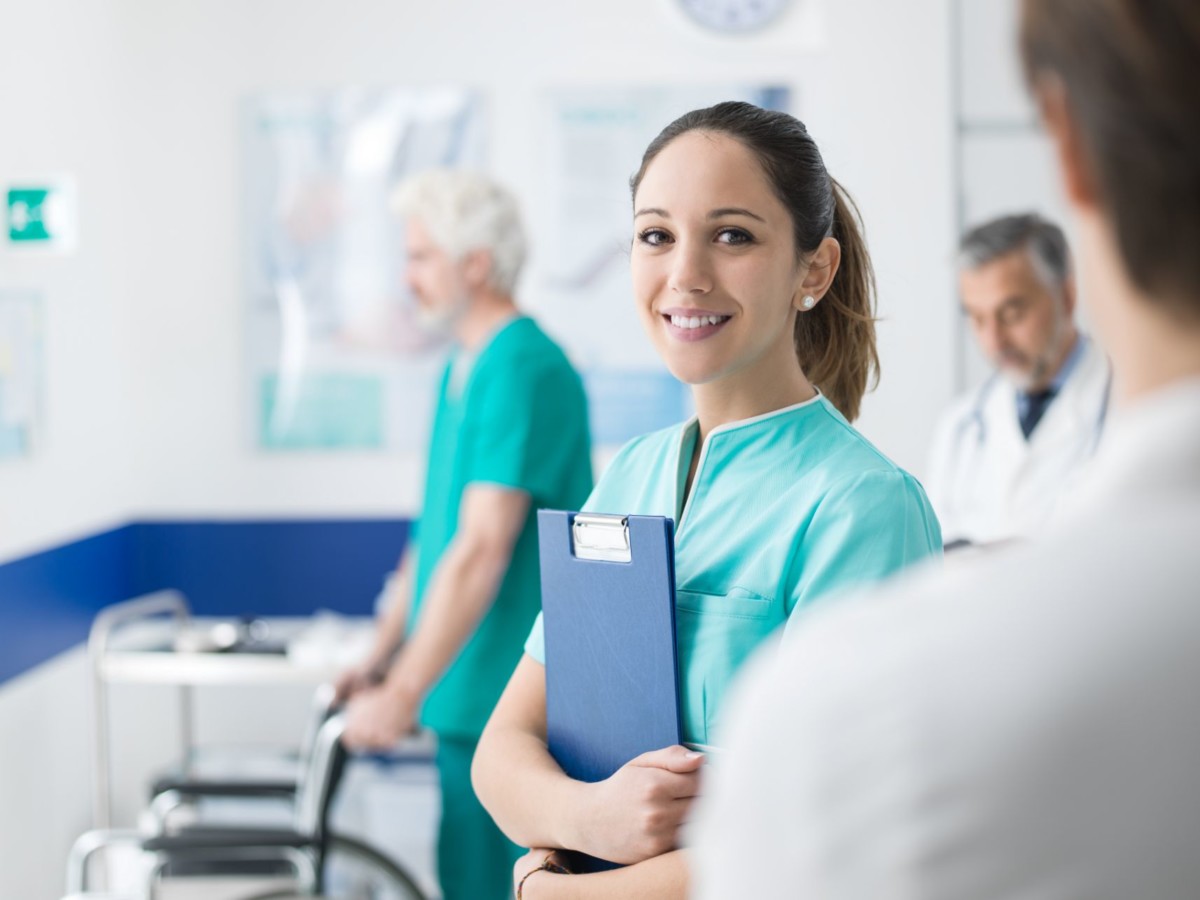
(1004, 452)
(510, 436)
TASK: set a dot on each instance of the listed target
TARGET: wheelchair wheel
(357, 871)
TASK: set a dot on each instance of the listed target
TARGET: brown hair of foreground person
(1130, 73)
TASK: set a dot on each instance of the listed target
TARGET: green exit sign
(27, 214)
(41, 215)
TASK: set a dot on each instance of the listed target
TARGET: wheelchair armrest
(200, 839)
(191, 788)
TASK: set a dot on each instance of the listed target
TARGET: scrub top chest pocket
(715, 633)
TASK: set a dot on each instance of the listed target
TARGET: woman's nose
(690, 272)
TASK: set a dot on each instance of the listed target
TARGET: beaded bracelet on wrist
(547, 865)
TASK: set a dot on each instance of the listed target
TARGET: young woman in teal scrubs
(753, 282)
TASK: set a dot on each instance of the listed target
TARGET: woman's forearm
(525, 791)
(631, 816)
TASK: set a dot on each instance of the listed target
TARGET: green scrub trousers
(474, 858)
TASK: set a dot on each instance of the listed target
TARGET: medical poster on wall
(594, 140)
(20, 372)
(336, 359)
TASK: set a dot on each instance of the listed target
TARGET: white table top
(317, 652)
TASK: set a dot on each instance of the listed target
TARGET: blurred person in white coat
(1025, 725)
(1005, 452)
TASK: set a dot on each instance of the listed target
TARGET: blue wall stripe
(48, 600)
(270, 568)
(257, 568)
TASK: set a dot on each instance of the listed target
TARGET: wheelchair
(306, 859)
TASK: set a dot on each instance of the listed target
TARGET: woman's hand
(635, 814)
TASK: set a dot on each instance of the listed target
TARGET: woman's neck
(754, 391)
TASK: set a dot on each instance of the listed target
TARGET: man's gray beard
(440, 323)
(1039, 372)
(1018, 379)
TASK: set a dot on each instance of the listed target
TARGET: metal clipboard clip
(601, 537)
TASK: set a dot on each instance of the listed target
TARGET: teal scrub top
(785, 509)
(519, 420)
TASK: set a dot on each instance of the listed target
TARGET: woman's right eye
(653, 237)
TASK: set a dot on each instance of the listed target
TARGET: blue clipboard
(608, 609)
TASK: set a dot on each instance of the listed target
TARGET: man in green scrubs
(509, 436)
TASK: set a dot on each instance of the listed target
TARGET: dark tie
(1035, 408)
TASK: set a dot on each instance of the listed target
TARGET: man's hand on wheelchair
(354, 680)
(377, 718)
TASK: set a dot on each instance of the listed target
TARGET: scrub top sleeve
(535, 644)
(515, 413)
(864, 532)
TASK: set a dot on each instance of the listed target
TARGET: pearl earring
(809, 301)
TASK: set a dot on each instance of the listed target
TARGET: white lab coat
(987, 482)
(1025, 726)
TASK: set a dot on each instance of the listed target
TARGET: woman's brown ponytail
(835, 341)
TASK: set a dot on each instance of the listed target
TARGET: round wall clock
(734, 15)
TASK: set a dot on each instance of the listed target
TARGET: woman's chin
(694, 375)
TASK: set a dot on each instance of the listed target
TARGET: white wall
(45, 780)
(139, 99)
(60, 113)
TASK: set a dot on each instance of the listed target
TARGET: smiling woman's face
(715, 273)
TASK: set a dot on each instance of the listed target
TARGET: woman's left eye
(734, 236)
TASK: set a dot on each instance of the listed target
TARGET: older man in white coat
(1027, 725)
(1006, 451)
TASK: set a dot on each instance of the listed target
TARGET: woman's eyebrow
(734, 211)
(715, 214)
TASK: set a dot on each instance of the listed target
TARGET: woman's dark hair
(835, 341)
(1131, 72)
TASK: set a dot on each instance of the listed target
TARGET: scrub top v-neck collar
(462, 363)
(690, 434)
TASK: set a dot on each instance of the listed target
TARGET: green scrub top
(785, 509)
(518, 419)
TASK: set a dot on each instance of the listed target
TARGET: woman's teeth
(696, 321)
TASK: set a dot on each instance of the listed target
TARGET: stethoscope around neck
(975, 419)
